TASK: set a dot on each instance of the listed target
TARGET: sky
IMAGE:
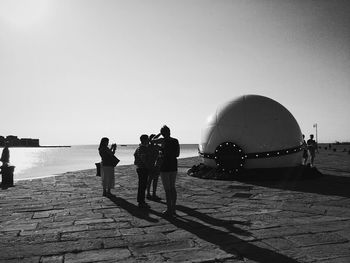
(73, 71)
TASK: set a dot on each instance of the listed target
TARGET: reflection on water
(42, 162)
(27, 158)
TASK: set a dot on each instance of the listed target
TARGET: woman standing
(108, 162)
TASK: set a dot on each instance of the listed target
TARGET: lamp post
(315, 126)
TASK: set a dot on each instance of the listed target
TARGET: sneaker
(149, 197)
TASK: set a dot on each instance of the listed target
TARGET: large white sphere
(257, 124)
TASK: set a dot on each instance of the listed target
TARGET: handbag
(115, 161)
(98, 169)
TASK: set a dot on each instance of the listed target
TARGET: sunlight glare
(26, 158)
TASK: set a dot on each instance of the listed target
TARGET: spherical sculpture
(251, 132)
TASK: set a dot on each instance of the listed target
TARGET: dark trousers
(143, 177)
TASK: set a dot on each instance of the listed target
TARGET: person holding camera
(155, 160)
(108, 162)
(170, 149)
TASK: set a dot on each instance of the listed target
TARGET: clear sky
(72, 71)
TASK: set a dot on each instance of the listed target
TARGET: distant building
(29, 142)
(14, 141)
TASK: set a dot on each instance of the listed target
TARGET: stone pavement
(66, 219)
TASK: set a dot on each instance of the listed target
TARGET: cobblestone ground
(66, 219)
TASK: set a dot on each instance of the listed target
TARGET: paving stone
(325, 226)
(131, 231)
(92, 234)
(242, 195)
(115, 254)
(199, 255)
(107, 212)
(345, 233)
(113, 225)
(8, 234)
(114, 242)
(146, 238)
(55, 230)
(277, 232)
(137, 222)
(44, 214)
(328, 251)
(34, 238)
(150, 258)
(179, 235)
(50, 248)
(279, 243)
(160, 229)
(93, 221)
(32, 208)
(258, 225)
(52, 259)
(22, 260)
(317, 219)
(151, 248)
(336, 260)
(316, 239)
(21, 227)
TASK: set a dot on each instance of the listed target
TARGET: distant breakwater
(41, 146)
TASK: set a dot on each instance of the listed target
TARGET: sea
(39, 162)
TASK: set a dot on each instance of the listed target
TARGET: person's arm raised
(156, 139)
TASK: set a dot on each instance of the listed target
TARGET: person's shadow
(134, 210)
(227, 239)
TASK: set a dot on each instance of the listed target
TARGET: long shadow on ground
(308, 180)
(132, 209)
(228, 241)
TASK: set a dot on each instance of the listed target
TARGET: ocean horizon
(39, 162)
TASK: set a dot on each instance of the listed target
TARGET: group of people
(309, 149)
(156, 155)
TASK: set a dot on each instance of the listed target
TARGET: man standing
(305, 153)
(155, 160)
(5, 155)
(168, 170)
(142, 168)
(312, 147)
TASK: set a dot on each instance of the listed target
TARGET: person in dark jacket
(143, 167)
(312, 147)
(305, 152)
(155, 161)
(170, 149)
(5, 155)
(108, 162)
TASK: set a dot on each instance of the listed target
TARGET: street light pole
(315, 126)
